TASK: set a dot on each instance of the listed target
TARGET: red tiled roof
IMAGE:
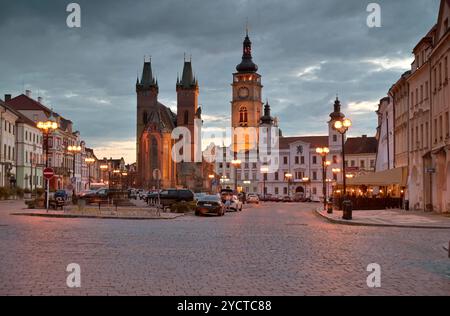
(314, 141)
(23, 103)
(361, 145)
(21, 118)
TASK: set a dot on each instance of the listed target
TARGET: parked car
(234, 204)
(287, 199)
(198, 196)
(85, 192)
(172, 196)
(210, 204)
(142, 194)
(253, 198)
(62, 194)
(132, 194)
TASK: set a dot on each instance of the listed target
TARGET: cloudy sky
(306, 50)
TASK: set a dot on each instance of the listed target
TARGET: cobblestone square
(269, 249)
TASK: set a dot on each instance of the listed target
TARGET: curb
(352, 223)
(93, 216)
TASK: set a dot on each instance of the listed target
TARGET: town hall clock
(243, 93)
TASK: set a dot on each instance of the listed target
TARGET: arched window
(154, 154)
(145, 118)
(186, 117)
(243, 116)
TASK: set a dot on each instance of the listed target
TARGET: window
(426, 134)
(285, 160)
(265, 176)
(255, 165)
(362, 163)
(372, 163)
(221, 165)
(421, 93)
(335, 159)
(276, 176)
(334, 138)
(276, 190)
(243, 116)
(435, 131)
(285, 191)
(302, 160)
(435, 79)
(426, 90)
(315, 160)
(315, 175)
(445, 70)
(412, 98)
(186, 117)
(314, 191)
(447, 127)
(352, 163)
(440, 75)
(297, 160)
(441, 128)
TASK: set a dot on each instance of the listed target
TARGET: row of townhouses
(414, 126)
(23, 152)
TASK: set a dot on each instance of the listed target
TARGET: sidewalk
(127, 215)
(390, 218)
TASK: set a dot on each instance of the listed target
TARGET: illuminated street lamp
(105, 168)
(323, 152)
(264, 170)
(89, 162)
(342, 126)
(288, 177)
(74, 150)
(47, 128)
(236, 164)
(306, 182)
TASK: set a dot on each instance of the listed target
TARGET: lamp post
(288, 177)
(74, 150)
(236, 164)
(306, 181)
(47, 128)
(211, 179)
(323, 152)
(342, 125)
(105, 168)
(89, 162)
(264, 171)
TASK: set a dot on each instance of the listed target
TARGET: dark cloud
(307, 51)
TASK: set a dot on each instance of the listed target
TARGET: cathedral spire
(147, 79)
(247, 64)
(187, 79)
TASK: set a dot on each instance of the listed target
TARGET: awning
(397, 176)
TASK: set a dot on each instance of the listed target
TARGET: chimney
(40, 100)
(7, 97)
(28, 93)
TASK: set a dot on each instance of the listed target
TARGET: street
(268, 249)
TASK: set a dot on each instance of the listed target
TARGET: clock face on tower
(243, 93)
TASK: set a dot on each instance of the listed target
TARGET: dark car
(61, 194)
(210, 204)
(172, 196)
(287, 199)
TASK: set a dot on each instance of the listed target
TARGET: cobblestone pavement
(271, 249)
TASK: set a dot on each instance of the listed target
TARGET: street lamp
(236, 164)
(211, 179)
(264, 170)
(105, 168)
(89, 162)
(288, 177)
(342, 126)
(47, 128)
(74, 150)
(323, 152)
(306, 181)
